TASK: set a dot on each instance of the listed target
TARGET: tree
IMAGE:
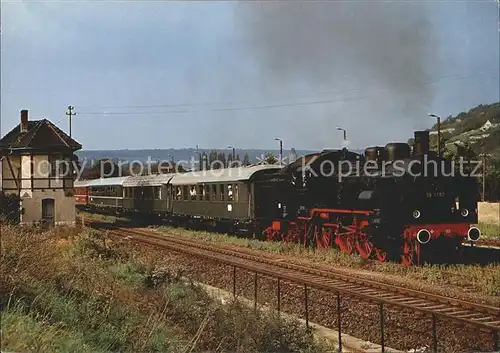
(9, 208)
(221, 161)
(246, 159)
(212, 157)
(492, 182)
(270, 159)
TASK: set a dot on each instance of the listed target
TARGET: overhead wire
(192, 107)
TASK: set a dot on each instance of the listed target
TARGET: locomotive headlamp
(464, 212)
(416, 214)
(473, 234)
(423, 236)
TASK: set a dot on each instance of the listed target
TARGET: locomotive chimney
(24, 120)
(421, 145)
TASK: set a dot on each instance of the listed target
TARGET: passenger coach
(222, 199)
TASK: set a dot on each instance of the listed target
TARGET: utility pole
(438, 118)
(70, 114)
(484, 156)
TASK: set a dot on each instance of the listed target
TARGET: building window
(59, 166)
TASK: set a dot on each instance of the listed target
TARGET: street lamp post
(484, 156)
(438, 118)
(234, 155)
(345, 133)
(281, 148)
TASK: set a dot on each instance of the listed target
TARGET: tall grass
(61, 290)
(489, 230)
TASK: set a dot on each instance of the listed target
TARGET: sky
(150, 74)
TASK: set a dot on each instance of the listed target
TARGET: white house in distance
(36, 163)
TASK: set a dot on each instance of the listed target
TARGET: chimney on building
(24, 120)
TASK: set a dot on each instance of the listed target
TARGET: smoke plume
(377, 54)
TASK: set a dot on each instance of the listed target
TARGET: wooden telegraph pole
(70, 114)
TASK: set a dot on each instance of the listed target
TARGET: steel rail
(332, 273)
(484, 242)
(317, 279)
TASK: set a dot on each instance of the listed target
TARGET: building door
(48, 211)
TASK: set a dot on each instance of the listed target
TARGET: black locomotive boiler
(392, 203)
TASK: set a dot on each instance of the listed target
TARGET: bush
(9, 208)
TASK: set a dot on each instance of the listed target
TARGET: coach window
(236, 196)
(185, 193)
(207, 193)
(156, 195)
(221, 189)
(192, 193)
(178, 193)
(230, 192)
(214, 192)
(201, 192)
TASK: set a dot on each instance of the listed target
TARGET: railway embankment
(458, 280)
(69, 289)
(482, 282)
(406, 321)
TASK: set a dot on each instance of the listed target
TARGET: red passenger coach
(82, 195)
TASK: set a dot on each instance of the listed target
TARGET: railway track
(477, 315)
(485, 242)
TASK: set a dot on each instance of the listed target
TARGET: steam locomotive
(390, 203)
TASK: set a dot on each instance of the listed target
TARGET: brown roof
(41, 135)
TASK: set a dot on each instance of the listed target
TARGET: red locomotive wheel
(408, 249)
(345, 243)
(272, 235)
(364, 246)
(293, 234)
(380, 255)
(323, 237)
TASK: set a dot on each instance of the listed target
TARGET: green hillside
(477, 130)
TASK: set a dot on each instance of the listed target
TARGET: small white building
(37, 163)
(488, 125)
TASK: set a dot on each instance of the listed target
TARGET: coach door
(48, 211)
